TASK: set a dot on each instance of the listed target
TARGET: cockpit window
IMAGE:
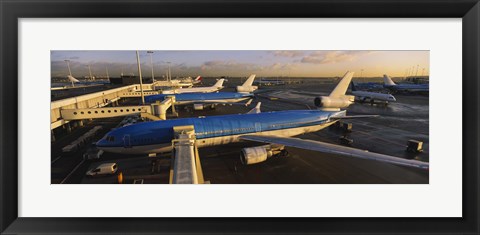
(110, 138)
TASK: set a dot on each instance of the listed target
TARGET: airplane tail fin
(342, 86)
(219, 83)
(256, 109)
(198, 78)
(72, 79)
(249, 81)
(337, 99)
(248, 102)
(388, 81)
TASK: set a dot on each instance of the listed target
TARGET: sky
(242, 63)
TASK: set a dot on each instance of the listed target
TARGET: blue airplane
(412, 88)
(200, 99)
(274, 128)
(368, 86)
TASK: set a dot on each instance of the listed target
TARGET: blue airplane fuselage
(150, 137)
(408, 87)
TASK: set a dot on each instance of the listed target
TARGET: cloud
(280, 67)
(288, 53)
(331, 57)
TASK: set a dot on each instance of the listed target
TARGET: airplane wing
(335, 149)
(216, 102)
(355, 116)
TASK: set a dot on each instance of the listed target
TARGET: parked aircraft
(187, 81)
(412, 88)
(218, 86)
(247, 85)
(368, 86)
(80, 83)
(197, 80)
(201, 100)
(268, 82)
(72, 79)
(364, 96)
(274, 128)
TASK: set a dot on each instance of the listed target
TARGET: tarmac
(406, 119)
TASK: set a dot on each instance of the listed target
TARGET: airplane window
(102, 111)
(127, 110)
(96, 111)
(75, 113)
(109, 111)
(82, 112)
(89, 112)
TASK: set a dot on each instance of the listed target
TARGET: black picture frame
(11, 11)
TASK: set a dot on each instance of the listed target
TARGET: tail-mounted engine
(334, 102)
(246, 88)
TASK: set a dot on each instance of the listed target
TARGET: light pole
(169, 75)
(151, 62)
(140, 76)
(90, 72)
(169, 72)
(108, 77)
(68, 65)
(70, 72)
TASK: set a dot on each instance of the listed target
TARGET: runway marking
(74, 169)
(314, 167)
(56, 159)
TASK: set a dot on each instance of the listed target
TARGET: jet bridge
(95, 100)
(155, 111)
(186, 162)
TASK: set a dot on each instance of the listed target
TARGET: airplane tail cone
(337, 98)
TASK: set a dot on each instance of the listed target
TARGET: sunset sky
(242, 63)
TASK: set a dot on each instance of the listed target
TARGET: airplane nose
(101, 143)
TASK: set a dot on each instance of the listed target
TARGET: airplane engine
(246, 88)
(334, 102)
(197, 107)
(254, 155)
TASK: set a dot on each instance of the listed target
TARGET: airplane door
(126, 141)
(258, 127)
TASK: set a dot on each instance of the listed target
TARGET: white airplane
(218, 86)
(189, 82)
(247, 85)
(70, 79)
(274, 128)
(363, 96)
(197, 80)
